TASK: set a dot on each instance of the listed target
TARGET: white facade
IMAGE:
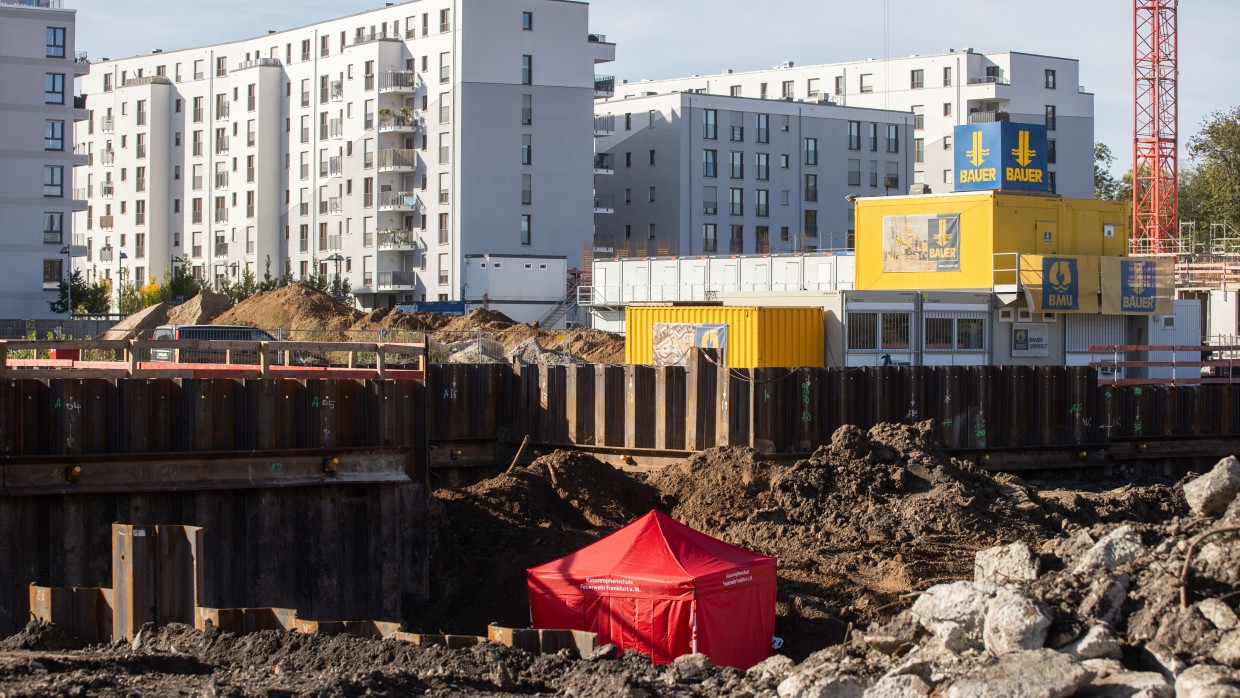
(515, 285)
(691, 174)
(944, 90)
(386, 145)
(38, 65)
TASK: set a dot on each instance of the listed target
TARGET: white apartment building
(385, 146)
(38, 65)
(703, 174)
(942, 91)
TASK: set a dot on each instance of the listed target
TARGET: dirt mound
(39, 635)
(532, 352)
(596, 346)
(479, 319)
(199, 310)
(388, 319)
(140, 323)
(294, 307)
(497, 528)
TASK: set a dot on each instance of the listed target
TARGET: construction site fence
(794, 410)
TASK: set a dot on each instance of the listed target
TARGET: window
(738, 134)
(710, 200)
(943, 333)
(443, 268)
(919, 150)
(783, 161)
(652, 156)
(527, 21)
(873, 133)
(525, 222)
(1050, 117)
(736, 163)
(854, 135)
(710, 237)
(893, 138)
(874, 331)
(839, 84)
(762, 162)
(811, 187)
(854, 173)
(53, 180)
(527, 147)
(762, 127)
(762, 203)
(445, 23)
(811, 151)
(736, 201)
(52, 272)
(445, 141)
(1050, 151)
(947, 76)
(652, 195)
(762, 91)
(1049, 76)
(947, 108)
(867, 83)
(811, 88)
(919, 117)
(709, 163)
(55, 42)
(1050, 181)
(54, 88)
(917, 79)
(709, 125)
(53, 135)
(734, 91)
(527, 70)
(628, 159)
(53, 228)
(787, 90)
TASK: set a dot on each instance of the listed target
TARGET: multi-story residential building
(37, 153)
(384, 146)
(942, 91)
(702, 174)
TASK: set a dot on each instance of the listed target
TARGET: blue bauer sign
(1001, 155)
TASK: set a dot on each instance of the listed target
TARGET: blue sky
(662, 38)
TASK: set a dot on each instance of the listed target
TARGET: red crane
(1155, 192)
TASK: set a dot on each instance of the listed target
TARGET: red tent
(660, 587)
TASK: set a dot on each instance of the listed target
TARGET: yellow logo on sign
(1023, 153)
(977, 154)
(1061, 277)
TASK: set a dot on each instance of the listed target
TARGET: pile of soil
(293, 307)
(532, 352)
(199, 310)
(140, 324)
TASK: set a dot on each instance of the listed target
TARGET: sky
(672, 38)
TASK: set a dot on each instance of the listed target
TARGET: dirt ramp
(199, 310)
(294, 307)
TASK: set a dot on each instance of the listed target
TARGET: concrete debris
(1207, 681)
(901, 686)
(1210, 494)
(1118, 547)
(1228, 650)
(1218, 612)
(1032, 673)
(1128, 684)
(808, 685)
(774, 669)
(1015, 621)
(955, 613)
(1099, 642)
(1105, 599)
(1005, 563)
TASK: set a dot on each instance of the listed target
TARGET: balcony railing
(221, 249)
(604, 85)
(397, 239)
(141, 117)
(986, 117)
(221, 146)
(141, 151)
(221, 180)
(53, 237)
(445, 73)
(335, 166)
(603, 163)
(259, 62)
(989, 80)
(195, 217)
(221, 110)
(604, 123)
(107, 124)
(106, 190)
(596, 38)
(336, 90)
(334, 242)
(83, 192)
(334, 205)
(106, 222)
(398, 200)
(106, 254)
(221, 215)
(107, 157)
(139, 184)
(398, 159)
(397, 279)
(335, 128)
(811, 193)
(398, 81)
(398, 122)
(605, 203)
(373, 37)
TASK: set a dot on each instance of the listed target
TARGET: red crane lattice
(1155, 194)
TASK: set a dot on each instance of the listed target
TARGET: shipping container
(757, 337)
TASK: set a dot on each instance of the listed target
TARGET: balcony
(82, 156)
(106, 222)
(402, 201)
(811, 194)
(106, 254)
(334, 243)
(141, 151)
(221, 146)
(605, 204)
(604, 85)
(372, 37)
(600, 48)
(397, 239)
(83, 192)
(107, 157)
(221, 249)
(221, 215)
(107, 124)
(398, 81)
(397, 122)
(335, 166)
(221, 180)
(221, 110)
(604, 124)
(141, 118)
(397, 280)
(334, 207)
(335, 129)
(259, 63)
(603, 164)
(986, 117)
(398, 160)
(336, 91)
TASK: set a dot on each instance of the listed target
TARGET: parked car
(213, 356)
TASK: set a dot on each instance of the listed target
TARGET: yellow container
(758, 337)
(897, 247)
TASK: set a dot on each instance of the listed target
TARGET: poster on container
(921, 243)
(1136, 286)
(1061, 284)
(674, 340)
(1030, 339)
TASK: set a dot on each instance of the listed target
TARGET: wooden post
(264, 360)
(693, 400)
(660, 407)
(600, 405)
(571, 381)
(131, 355)
(724, 407)
(630, 406)
(381, 361)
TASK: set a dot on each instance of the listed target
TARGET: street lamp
(120, 276)
(337, 258)
(68, 253)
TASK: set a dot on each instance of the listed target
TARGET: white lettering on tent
(737, 577)
(608, 584)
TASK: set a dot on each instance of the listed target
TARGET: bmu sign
(1001, 155)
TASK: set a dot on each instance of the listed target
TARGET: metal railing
(221, 249)
(259, 62)
(396, 279)
(336, 90)
(107, 124)
(603, 162)
(398, 81)
(334, 206)
(398, 158)
(397, 238)
(335, 166)
(398, 199)
(221, 180)
(335, 128)
(989, 80)
(605, 203)
(221, 110)
(604, 85)
(107, 157)
(397, 122)
(106, 222)
(334, 242)
(221, 215)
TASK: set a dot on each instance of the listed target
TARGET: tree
(1106, 187)
(1210, 185)
(87, 298)
(241, 290)
(179, 281)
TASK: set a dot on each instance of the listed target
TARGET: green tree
(87, 298)
(179, 281)
(242, 289)
(1105, 185)
(1210, 185)
(130, 299)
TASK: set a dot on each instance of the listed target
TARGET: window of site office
(959, 332)
(878, 330)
